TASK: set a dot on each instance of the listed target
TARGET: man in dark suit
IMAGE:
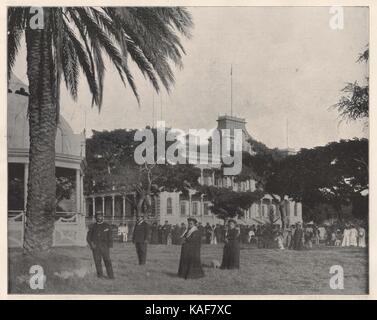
(100, 241)
(140, 238)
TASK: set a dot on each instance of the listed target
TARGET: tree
(261, 166)
(333, 174)
(269, 231)
(64, 189)
(354, 104)
(227, 203)
(111, 166)
(74, 39)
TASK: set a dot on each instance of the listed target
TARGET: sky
(288, 66)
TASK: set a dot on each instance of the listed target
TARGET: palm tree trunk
(40, 209)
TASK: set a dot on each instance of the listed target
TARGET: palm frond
(84, 59)
(148, 36)
(98, 34)
(16, 26)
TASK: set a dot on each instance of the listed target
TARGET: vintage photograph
(188, 150)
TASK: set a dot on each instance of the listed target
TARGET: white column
(103, 205)
(201, 176)
(213, 178)
(78, 197)
(201, 205)
(113, 207)
(270, 207)
(261, 208)
(94, 206)
(26, 177)
(83, 199)
(124, 207)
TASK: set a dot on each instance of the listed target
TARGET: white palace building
(175, 207)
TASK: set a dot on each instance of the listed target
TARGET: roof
(67, 142)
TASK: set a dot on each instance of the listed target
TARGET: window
(183, 208)
(154, 207)
(195, 208)
(206, 209)
(169, 206)
(252, 185)
(264, 210)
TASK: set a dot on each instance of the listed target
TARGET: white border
(372, 4)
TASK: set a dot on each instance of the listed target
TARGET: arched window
(169, 206)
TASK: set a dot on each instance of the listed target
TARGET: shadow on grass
(171, 274)
(263, 271)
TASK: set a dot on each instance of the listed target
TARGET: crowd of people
(346, 235)
(172, 234)
(191, 237)
(306, 236)
(297, 236)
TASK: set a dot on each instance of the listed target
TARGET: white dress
(213, 238)
(280, 243)
(353, 237)
(362, 243)
(346, 238)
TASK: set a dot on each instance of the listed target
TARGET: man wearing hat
(140, 238)
(100, 241)
(190, 266)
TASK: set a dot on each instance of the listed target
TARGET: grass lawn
(263, 271)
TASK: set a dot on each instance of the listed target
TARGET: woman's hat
(232, 220)
(192, 219)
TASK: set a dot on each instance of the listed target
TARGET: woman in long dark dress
(154, 233)
(190, 266)
(298, 243)
(231, 252)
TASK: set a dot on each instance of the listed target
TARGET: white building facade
(175, 208)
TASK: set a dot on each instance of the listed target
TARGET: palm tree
(354, 104)
(74, 40)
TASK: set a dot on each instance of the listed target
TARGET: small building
(70, 154)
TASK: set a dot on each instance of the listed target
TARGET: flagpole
(287, 134)
(153, 109)
(161, 106)
(231, 90)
